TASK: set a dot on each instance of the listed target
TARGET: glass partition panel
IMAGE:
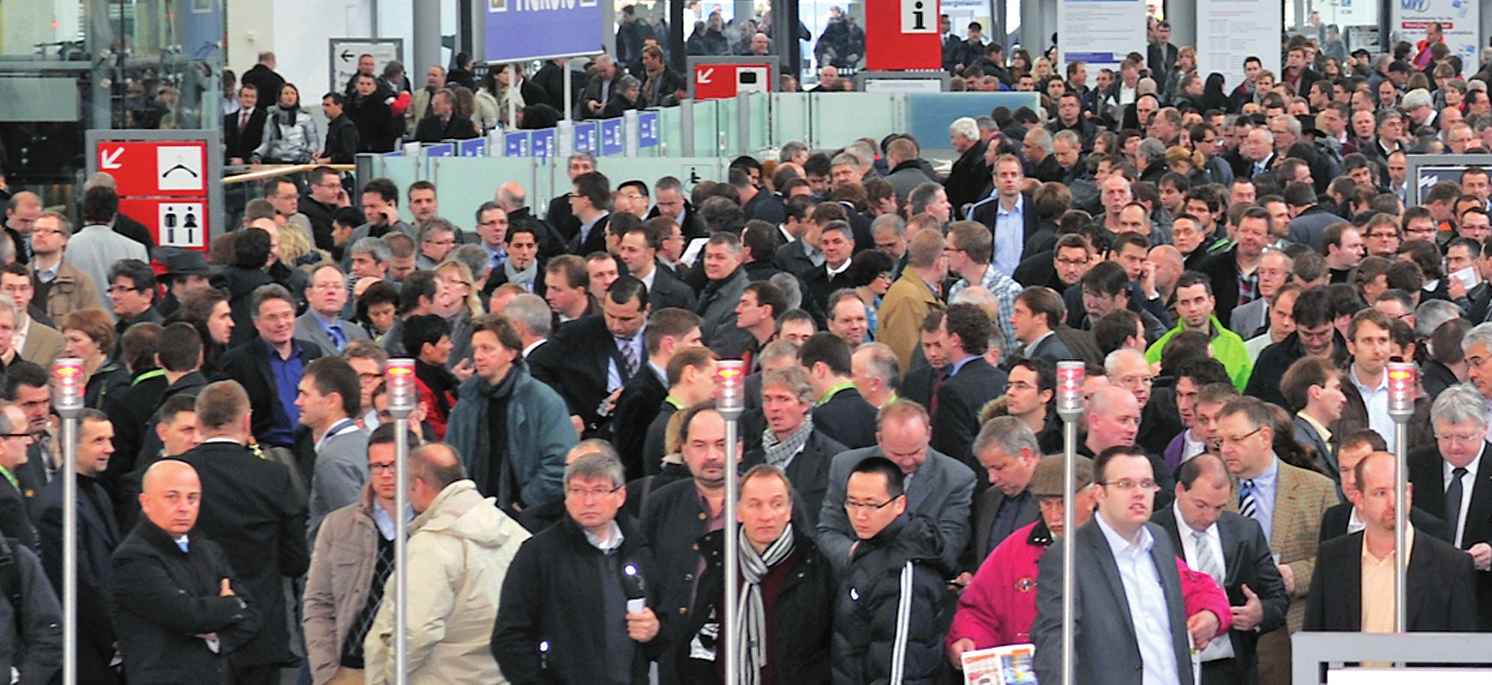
(837, 119)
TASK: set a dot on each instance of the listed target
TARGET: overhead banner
(1230, 31)
(1100, 33)
(1458, 22)
(522, 30)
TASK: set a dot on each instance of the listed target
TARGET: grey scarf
(780, 453)
(527, 275)
(752, 619)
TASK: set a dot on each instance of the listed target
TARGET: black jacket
(250, 506)
(968, 177)
(799, 632)
(587, 348)
(265, 81)
(1426, 472)
(872, 628)
(987, 210)
(669, 291)
(249, 365)
(376, 130)
(162, 598)
(847, 418)
(636, 408)
(15, 517)
(1334, 523)
(1270, 367)
(241, 144)
(31, 642)
(432, 130)
(342, 141)
(240, 284)
(98, 536)
(959, 400)
(671, 521)
(1246, 561)
(1440, 594)
(808, 472)
(552, 596)
(595, 241)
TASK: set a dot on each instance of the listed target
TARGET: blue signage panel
(611, 136)
(647, 129)
(521, 30)
(440, 150)
(476, 147)
(585, 138)
(543, 145)
(516, 144)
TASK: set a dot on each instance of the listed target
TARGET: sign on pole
(1101, 32)
(902, 34)
(170, 181)
(1232, 30)
(345, 52)
(522, 30)
(727, 77)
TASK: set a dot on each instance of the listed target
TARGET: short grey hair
(1419, 97)
(475, 257)
(1068, 137)
(789, 149)
(1459, 404)
(597, 465)
(1431, 313)
(964, 127)
(845, 158)
(627, 82)
(1481, 334)
(891, 221)
(883, 362)
(1009, 434)
(1152, 150)
(379, 250)
(8, 304)
(777, 349)
(1111, 362)
(921, 197)
(788, 284)
(794, 378)
(1040, 137)
(437, 224)
(532, 311)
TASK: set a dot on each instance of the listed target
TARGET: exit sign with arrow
(343, 55)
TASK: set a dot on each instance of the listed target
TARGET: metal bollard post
(1401, 389)
(730, 401)
(402, 397)
(67, 374)
(1070, 408)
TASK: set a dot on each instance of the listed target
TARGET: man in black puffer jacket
(890, 615)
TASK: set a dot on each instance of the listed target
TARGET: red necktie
(243, 121)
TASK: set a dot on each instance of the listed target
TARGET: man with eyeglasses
(437, 239)
(323, 323)
(1232, 552)
(132, 296)
(15, 498)
(1448, 475)
(1287, 501)
(323, 197)
(1127, 369)
(1147, 629)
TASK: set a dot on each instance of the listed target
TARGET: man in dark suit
(840, 412)
(601, 354)
(15, 496)
(177, 605)
(249, 504)
(1440, 583)
(262, 362)
(1109, 650)
(97, 537)
(1345, 518)
(1451, 483)
(639, 250)
(1007, 452)
(1038, 312)
(558, 214)
(793, 442)
(939, 488)
(590, 197)
(1231, 549)
(443, 123)
(244, 129)
(969, 382)
(642, 396)
(323, 323)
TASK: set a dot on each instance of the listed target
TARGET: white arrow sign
(704, 76)
(111, 159)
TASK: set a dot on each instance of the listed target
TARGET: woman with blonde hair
(458, 276)
(1186, 162)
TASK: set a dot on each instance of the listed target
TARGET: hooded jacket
(890, 613)
(458, 553)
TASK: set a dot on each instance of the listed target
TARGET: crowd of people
(1236, 270)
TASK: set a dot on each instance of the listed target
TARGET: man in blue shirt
(270, 366)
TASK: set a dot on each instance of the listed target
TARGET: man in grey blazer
(328, 398)
(1250, 319)
(939, 488)
(1121, 555)
(323, 323)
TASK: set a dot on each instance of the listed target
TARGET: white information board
(1229, 31)
(1458, 19)
(344, 53)
(1100, 32)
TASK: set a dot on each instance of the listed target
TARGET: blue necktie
(338, 337)
(182, 543)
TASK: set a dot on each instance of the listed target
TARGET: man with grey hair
(1040, 163)
(875, 372)
(532, 319)
(1420, 107)
(791, 442)
(1008, 451)
(567, 590)
(437, 238)
(1150, 160)
(970, 173)
(1447, 476)
(1477, 349)
(460, 547)
(369, 258)
(930, 198)
(1430, 314)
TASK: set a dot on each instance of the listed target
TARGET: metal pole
(68, 377)
(400, 379)
(569, 90)
(731, 394)
(513, 98)
(1070, 408)
(1401, 391)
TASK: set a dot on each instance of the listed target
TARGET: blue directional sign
(543, 143)
(476, 147)
(516, 144)
(440, 150)
(585, 138)
(647, 129)
(611, 136)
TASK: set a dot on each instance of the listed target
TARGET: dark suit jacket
(985, 212)
(161, 598)
(595, 242)
(1306, 435)
(986, 506)
(561, 218)
(249, 505)
(587, 348)
(1107, 651)
(98, 536)
(1439, 587)
(941, 493)
(1050, 348)
(636, 408)
(959, 400)
(1334, 523)
(917, 384)
(669, 291)
(1427, 475)
(432, 130)
(808, 472)
(15, 517)
(242, 145)
(847, 418)
(249, 365)
(1246, 561)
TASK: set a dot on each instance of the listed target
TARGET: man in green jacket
(1194, 309)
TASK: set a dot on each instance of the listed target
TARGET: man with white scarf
(786, 596)
(792, 443)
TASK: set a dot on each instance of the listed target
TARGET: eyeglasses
(852, 506)
(1127, 484)
(1239, 440)
(124, 289)
(1459, 439)
(15, 435)
(583, 493)
(375, 468)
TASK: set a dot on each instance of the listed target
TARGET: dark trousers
(264, 674)
(1223, 672)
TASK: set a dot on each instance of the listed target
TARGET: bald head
(171, 495)
(1167, 254)
(511, 196)
(432, 468)
(1113, 418)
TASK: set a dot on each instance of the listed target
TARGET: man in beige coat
(912, 296)
(460, 547)
(61, 287)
